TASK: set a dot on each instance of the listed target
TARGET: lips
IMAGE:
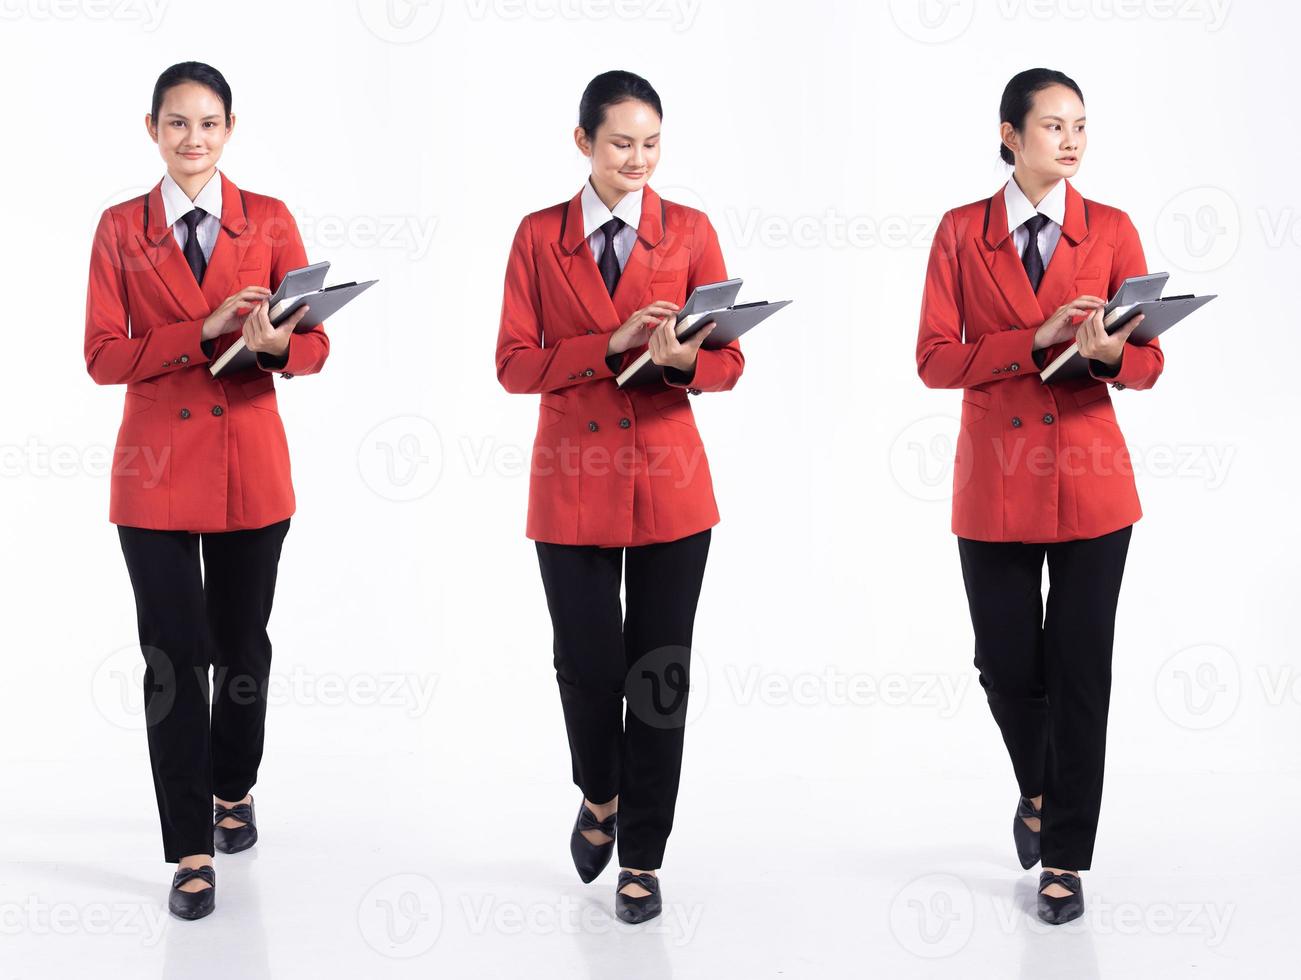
(1068, 160)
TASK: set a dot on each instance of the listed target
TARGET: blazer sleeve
(113, 356)
(944, 359)
(309, 349)
(524, 365)
(1140, 364)
(716, 369)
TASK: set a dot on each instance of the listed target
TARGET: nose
(639, 157)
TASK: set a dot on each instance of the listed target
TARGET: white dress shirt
(177, 204)
(1019, 210)
(595, 214)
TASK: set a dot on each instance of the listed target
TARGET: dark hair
(191, 71)
(1018, 99)
(610, 88)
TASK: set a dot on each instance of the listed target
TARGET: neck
(608, 195)
(1035, 188)
(192, 183)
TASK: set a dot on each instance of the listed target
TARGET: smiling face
(625, 149)
(190, 130)
(1051, 142)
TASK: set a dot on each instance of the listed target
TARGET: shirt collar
(176, 204)
(1019, 208)
(595, 214)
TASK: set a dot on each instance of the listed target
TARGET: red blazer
(1034, 462)
(609, 466)
(194, 452)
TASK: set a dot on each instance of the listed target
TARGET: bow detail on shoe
(206, 872)
(587, 821)
(240, 811)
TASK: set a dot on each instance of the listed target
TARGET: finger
(1128, 328)
(700, 336)
(294, 320)
(1089, 300)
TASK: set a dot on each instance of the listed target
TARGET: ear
(1011, 139)
(582, 142)
(150, 128)
(230, 128)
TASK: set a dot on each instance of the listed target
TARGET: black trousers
(189, 619)
(1047, 677)
(606, 657)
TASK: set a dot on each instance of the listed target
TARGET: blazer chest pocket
(140, 396)
(261, 393)
(251, 274)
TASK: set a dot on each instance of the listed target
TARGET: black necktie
(609, 264)
(1031, 257)
(193, 250)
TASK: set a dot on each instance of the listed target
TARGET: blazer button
(588, 373)
(624, 423)
(591, 331)
(693, 391)
(1016, 421)
(998, 370)
(176, 360)
(285, 374)
(185, 413)
(167, 363)
(1118, 386)
(1048, 418)
(592, 426)
(1014, 366)
(216, 409)
(572, 377)
(185, 358)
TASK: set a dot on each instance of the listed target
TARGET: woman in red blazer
(201, 463)
(619, 478)
(1041, 469)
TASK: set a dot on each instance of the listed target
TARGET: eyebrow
(177, 115)
(625, 136)
(1059, 118)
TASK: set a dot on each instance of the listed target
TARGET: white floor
(786, 878)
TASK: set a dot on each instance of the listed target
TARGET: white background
(846, 797)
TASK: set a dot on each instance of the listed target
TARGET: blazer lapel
(158, 245)
(232, 243)
(606, 312)
(644, 258)
(1058, 285)
(1004, 265)
(580, 271)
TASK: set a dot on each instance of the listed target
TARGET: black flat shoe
(230, 840)
(636, 910)
(590, 859)
(1056, 911)
(1027, 840)
(193, 905)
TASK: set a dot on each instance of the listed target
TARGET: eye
(624, 146)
